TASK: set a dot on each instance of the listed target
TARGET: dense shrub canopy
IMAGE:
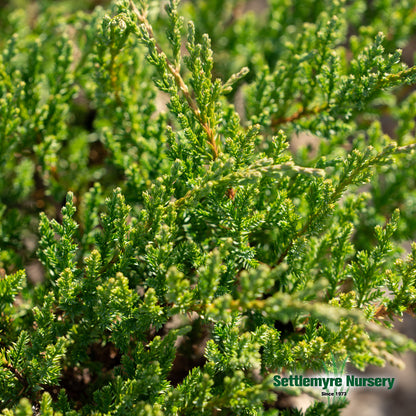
(194, 198)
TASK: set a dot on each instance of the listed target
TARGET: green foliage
(189, 245)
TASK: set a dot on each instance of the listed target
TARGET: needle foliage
(195, 197)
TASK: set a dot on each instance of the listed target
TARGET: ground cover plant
(197, 196)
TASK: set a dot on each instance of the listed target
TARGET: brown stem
(303, 112)
(21, 380)
(141, 16)
(17, 374)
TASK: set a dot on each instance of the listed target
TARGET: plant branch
(302, 113)
(17, 374)
(340, 188)
(180, 83)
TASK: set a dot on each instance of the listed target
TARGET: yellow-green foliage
(192, 245)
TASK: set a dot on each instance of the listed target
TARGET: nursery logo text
(326, 382)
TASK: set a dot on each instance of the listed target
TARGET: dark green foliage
(189, 246)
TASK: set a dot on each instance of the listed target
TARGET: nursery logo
(334, 384)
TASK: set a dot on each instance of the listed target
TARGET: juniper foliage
(190, 249)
